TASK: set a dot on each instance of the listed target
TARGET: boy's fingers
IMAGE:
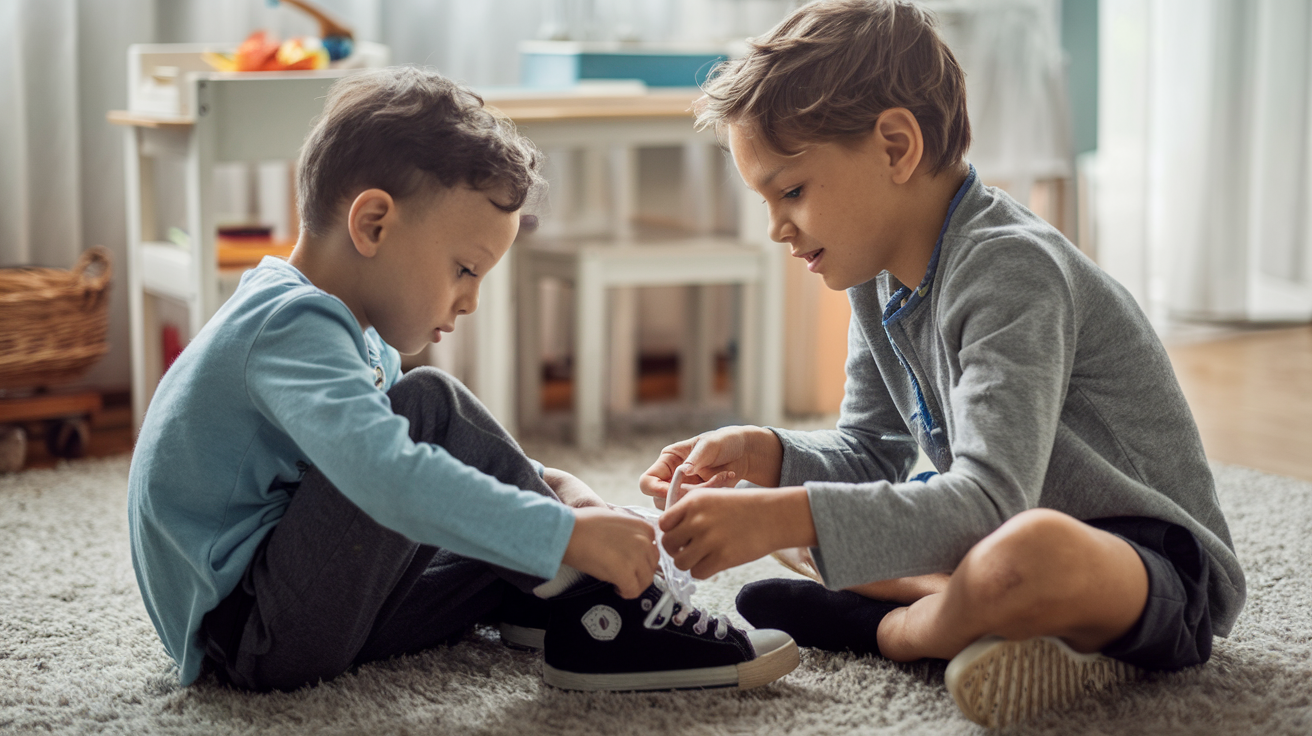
(656, 481)
(702, 454)
(673, 515)
(676, 540)
(688, 557)
(645, 531)
(707, 567)
(627, 591)
(722, 479)
(651, 484)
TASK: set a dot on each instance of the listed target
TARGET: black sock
(833, 620)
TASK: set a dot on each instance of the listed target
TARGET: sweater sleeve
(1007, 312)
(870, 442)
(306, 375)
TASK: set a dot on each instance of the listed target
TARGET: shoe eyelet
(646, 604)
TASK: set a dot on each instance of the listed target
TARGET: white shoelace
(677, 587)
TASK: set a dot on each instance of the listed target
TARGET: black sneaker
(522, 618)
(599, 641)
(833, 620)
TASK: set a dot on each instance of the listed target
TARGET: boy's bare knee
(1023, 564)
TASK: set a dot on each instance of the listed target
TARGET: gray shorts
(1175, 628)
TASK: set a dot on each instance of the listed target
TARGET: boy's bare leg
(897, 590)
(904, 590)
(1042, 573)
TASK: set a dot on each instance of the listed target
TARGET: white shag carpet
(78, 653)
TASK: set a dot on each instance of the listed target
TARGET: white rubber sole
(762, 670)
(522, 637)
(997, 682)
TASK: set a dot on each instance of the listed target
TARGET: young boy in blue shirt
(1073, 511)
(297, 507)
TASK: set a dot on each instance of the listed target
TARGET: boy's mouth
(812, 258)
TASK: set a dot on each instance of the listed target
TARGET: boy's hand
(570, 490)
(614, 547)
(712, 530)
(716, 458)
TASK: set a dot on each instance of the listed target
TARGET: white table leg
(137, 182)
(750, 357)
(622, 380)
(494, 383)
(697, 356)
(623, 354)
(700, 185)
(529, 298)
(201, 222)
(590, 325)
(770, 326)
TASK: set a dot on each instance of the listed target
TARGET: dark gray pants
(330, 588)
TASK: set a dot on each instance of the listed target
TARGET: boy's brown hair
(828, 70)
(406, 129)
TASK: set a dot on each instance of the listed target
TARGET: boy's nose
(467, 303)
(781, 229)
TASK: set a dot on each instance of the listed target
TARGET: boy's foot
(997, 682)
(833, 620)
(600, 641)
(522, 619)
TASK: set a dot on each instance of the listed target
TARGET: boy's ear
(900, 141)
(372, 215)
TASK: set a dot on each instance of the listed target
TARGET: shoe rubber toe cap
(765, 641)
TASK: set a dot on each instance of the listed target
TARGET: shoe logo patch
(602, 622)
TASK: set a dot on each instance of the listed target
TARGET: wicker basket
(53, 322)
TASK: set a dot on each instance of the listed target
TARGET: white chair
(613, 129)
(593, 270)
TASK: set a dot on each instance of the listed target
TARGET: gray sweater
(1031, 379)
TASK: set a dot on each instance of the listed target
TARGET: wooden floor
(1251, 395)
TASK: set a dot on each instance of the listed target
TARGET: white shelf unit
(238, 117)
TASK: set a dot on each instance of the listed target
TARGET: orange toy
(261, 52)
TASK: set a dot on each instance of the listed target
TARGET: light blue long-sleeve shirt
(283, 378)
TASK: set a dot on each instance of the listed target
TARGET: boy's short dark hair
(828, 70)
(403, 129)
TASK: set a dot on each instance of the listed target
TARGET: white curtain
(40, 197)
(1205, 162)
(1015, 71)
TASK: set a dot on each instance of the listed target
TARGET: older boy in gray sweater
(1072, 533)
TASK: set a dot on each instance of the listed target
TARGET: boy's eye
(465, 272)
(790, 194)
